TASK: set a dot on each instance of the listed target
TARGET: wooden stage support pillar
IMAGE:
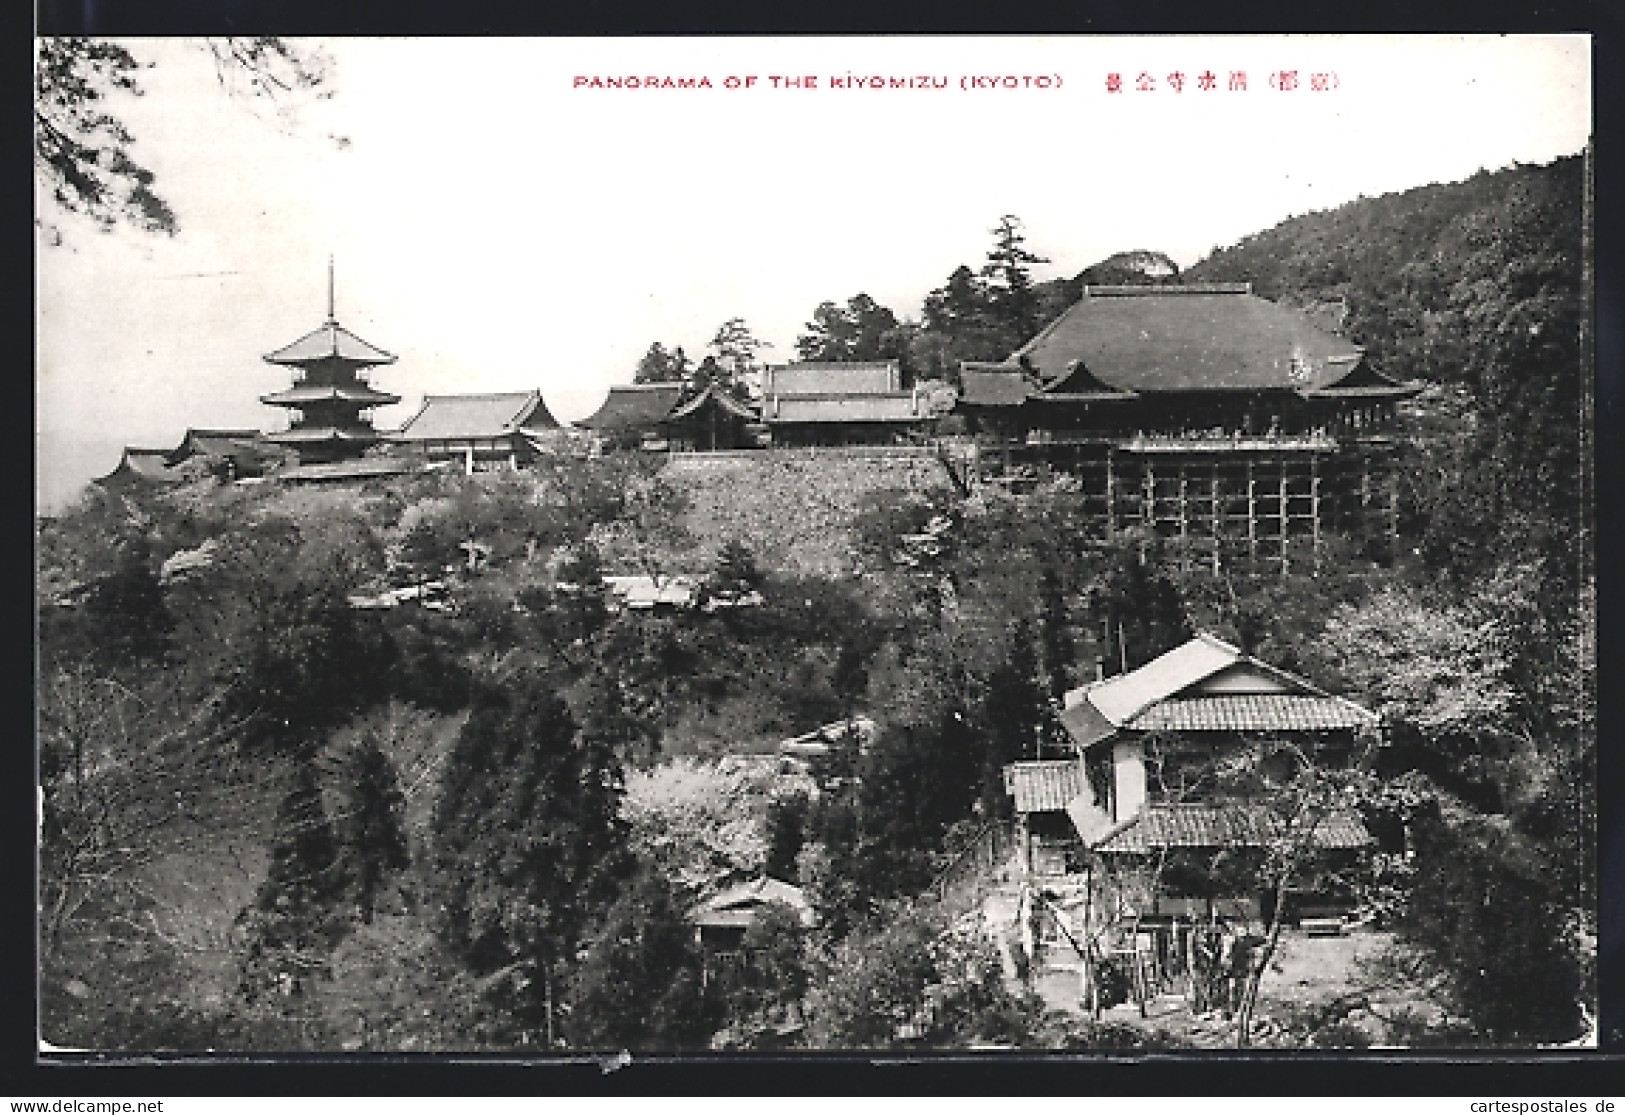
(1184, 517)
(1314, 509)
(1285, 521)
(1252, 516)
(1148, 494)
(1111, 493)
(1213, 514)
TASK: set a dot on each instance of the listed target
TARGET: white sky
(499, 229)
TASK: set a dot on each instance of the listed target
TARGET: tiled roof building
(139, 468)
(479, 431)
(1201, 411)
(1134, 734)
(834, 403)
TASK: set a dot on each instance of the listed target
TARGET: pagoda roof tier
(304, 435)
(303, 393)
(330, 342)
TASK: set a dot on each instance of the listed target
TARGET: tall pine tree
(529, 839)
(293, 923)
(373, 839)
(1008, 273)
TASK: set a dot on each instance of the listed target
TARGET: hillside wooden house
(721, 921)
(1140, 781)
(478, 433)
(1200, 411)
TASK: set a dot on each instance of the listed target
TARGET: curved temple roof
(496, 414)
(1116, 341)
(630, 406)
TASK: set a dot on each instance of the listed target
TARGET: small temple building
(227, 454)
(675, 416)
(479, 432)
(138, 469)
(840, 403)
(713, 420)
(1202, 411)
(632, 413)
(330, 394)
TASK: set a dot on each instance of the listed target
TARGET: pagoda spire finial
(331, 317)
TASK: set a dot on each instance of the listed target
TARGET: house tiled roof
(1244, 712)
(1225, 826)
(633, 406)
(1085, 724)
(1205, 685)
(738, 906)
(873, 377)
(1121, 697)
(1045, 785)
(453, 417)
(1193, 337)
(901, 408)
(328, 342)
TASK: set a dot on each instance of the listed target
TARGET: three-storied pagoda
(329, 391)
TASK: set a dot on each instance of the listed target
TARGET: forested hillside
(277, 816)
(1476, 287)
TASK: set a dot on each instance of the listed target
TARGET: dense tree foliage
(371, 827)
(863, 329)
(660, 366)
(470, 871)
(81, 145)
(640, 984)
(528, 839)
(1505, 937)
(294, 922)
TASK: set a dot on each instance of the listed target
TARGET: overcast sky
(500, 226)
